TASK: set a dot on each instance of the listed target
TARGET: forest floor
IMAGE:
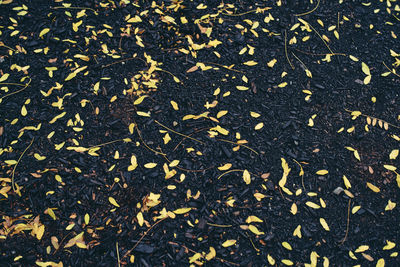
(177, 133)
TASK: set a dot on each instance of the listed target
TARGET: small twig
(123, 60)
(286, 53)
(17, 84)
(75, 7)
(222, 66)
(6, 46)
(364, 115)
(252, 243)
(140, 240)
(193, 251)
(320, 37)
(390, 69)
(183, 139)
(302, 63)
(302, 174)
(107, 143)
(144, 143)
(395, 17)
(116, 247)
(348, 223)
(308, 12)
(187, 170)
(15, 167)
(234, 170)
(220, 225)
(322, 54)
(169, 129)
(228, 141)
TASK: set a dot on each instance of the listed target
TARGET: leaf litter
(191, 133)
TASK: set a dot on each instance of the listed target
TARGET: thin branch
(75, 7)
(390, 69)
(286, 53)
(228, 141)
(193, 251)
(15, 92)
(169, 129)
(348, 223)
(15, 167)
(308, 12)
(140, 240)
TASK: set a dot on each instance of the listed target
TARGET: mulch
(189, 133)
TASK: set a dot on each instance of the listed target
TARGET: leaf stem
(15, 167)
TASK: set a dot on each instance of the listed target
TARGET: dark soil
(90, 87)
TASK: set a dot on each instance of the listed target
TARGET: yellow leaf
(4, 77)
(353, 58)
(182, 210)
(70, 76)
(174, 105)
(24, 111)
(356, 155)
(140, 218)
(259, 196)
(254, 114)
(286, 245)
(250, 63)
(389, 245)
(259, 126)
(242, 88)
(225, 167)
(75, 25)
(324, 224)
(373, 187)
(281, 85)
(367, 79)
(270, 260)
(150, 165)
(131, 127)
(143, 114)
(134, 19)
(391, 205)
(322, 172)
(139, 100)
(228, 243)
(380, 263)
(211, 254)
(394, 154)
(174, 163)
(113, 202)
(246, 177)
(390, 167)
(253, 218)
(87, 219)
(297, 231)
(361, 249)
(43, 32)
(221, 113)
(254, 230)
(51, 213)
(313, 205)
(39, 157)
(365, 69)
(195, 257)
(346, 182)
(293, 209)
(271, 63)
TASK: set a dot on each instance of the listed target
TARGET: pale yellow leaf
(322, 172)
(228, 243)
(246, 177)
(324, 224)
(150, 165)
(174, 105)
(394, 154)
(43, 32)
(255, 231)
(373, 187)
(113, 201)
(182, 210)
(252, 219)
